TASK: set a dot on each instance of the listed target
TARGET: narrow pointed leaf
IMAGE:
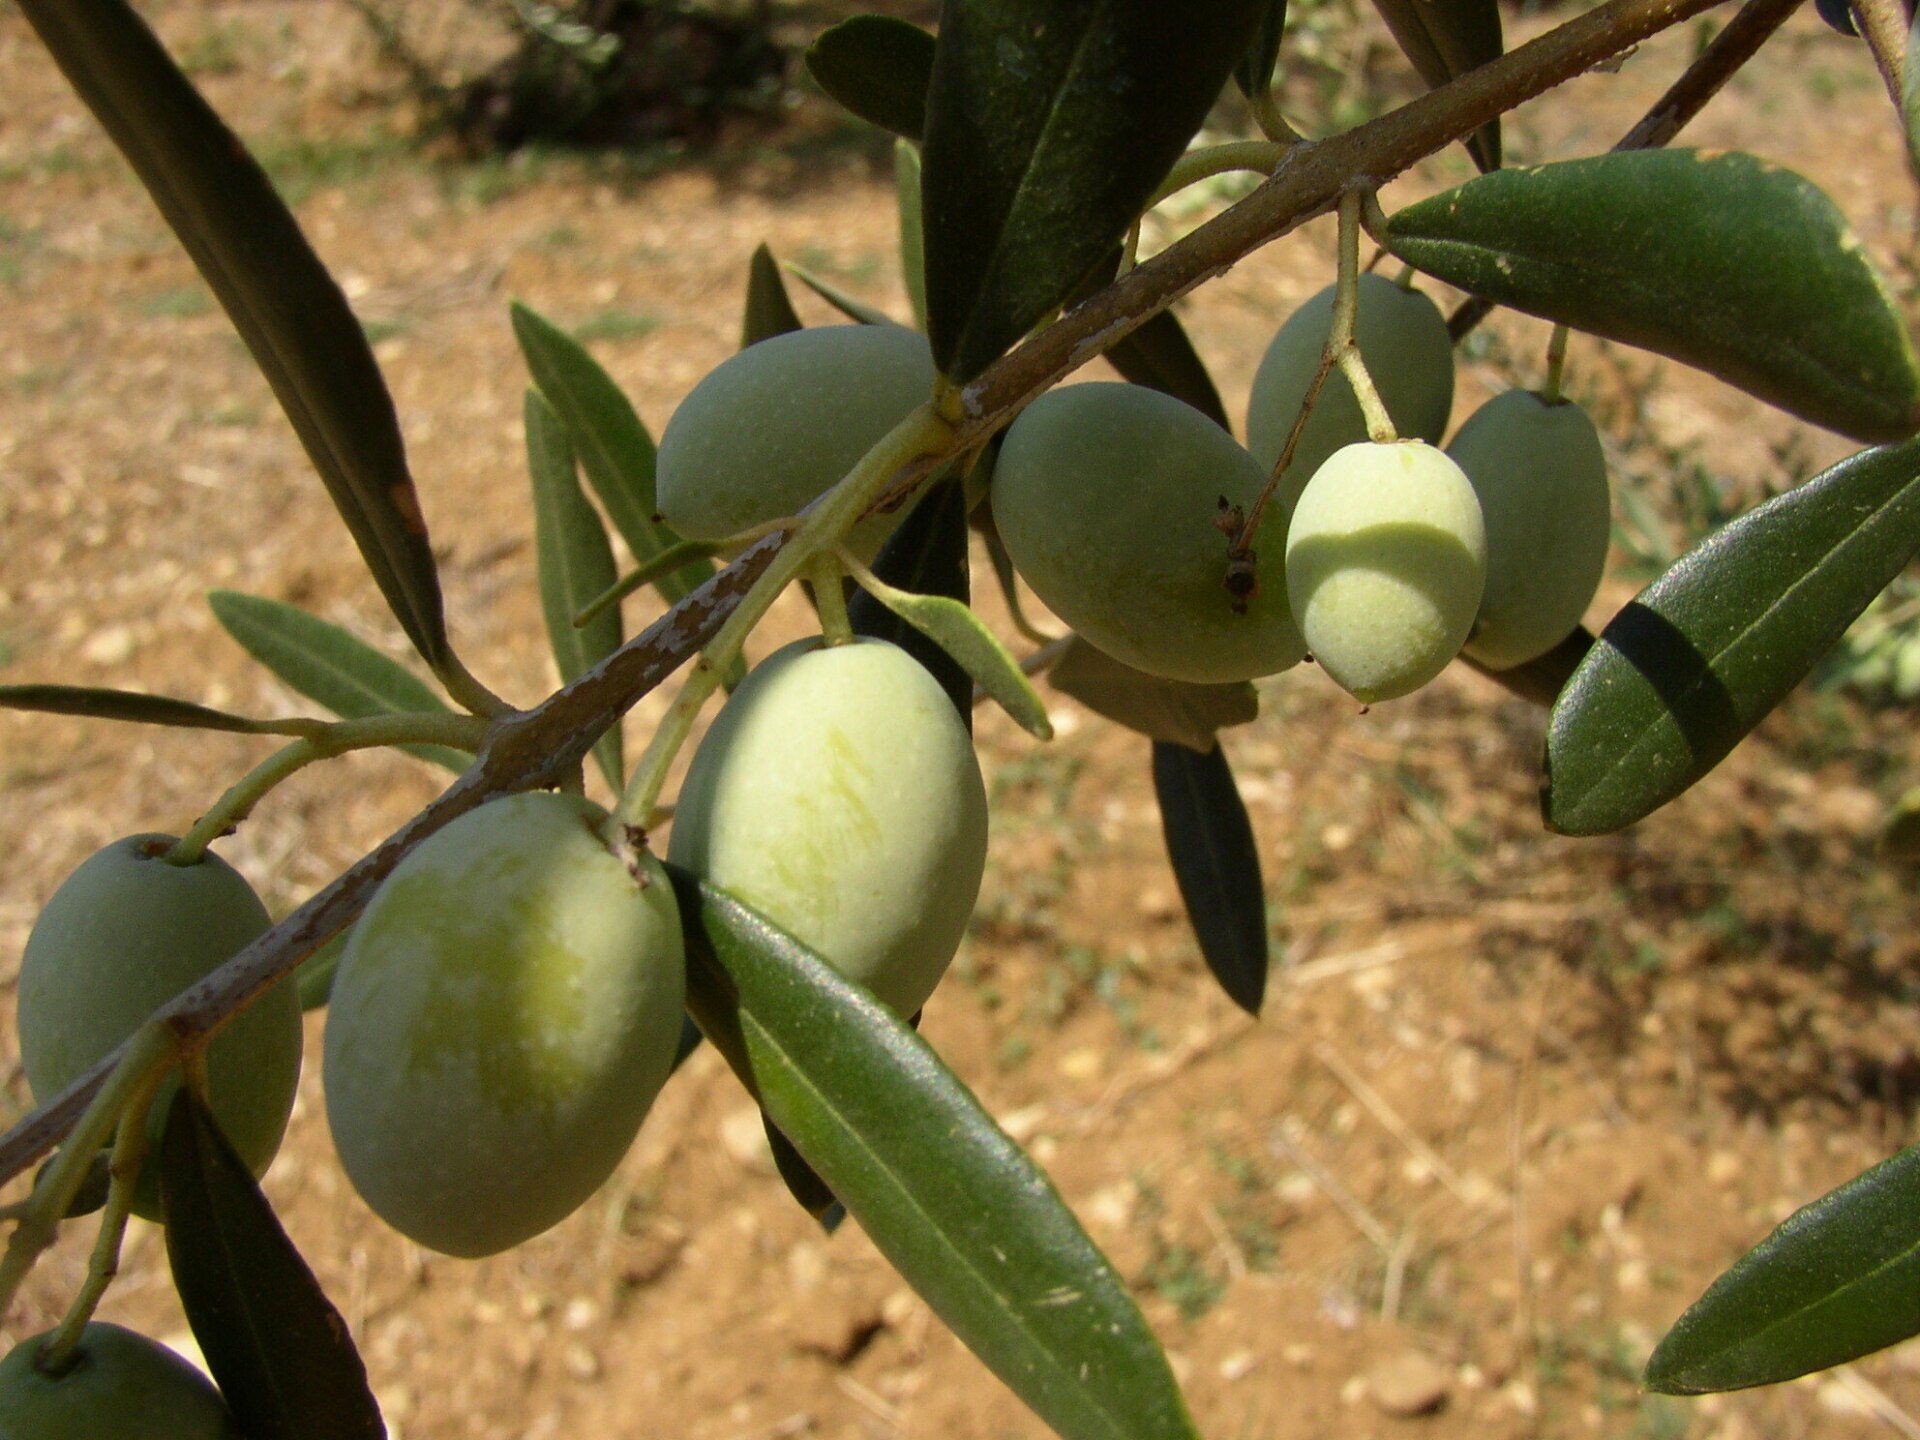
(1717, 259)
(953, 626)
(848, 305)
(769, 309)
(1709, 649)
(1049, 126)
(1254, 73)
(1445, 39)
(1160, 356)
(1838, 1280)
(288, 309)
(879, 68)
(913, 249)
(1900, 837)
(315, 975)
(613, 447)
(274, 1343)
(127, 705)
(576, 564)
(329, 666)
(926, 554)
(964, 1215)
(1543, 678)
(1174, 711)
(809, 1191)
(1216, 864)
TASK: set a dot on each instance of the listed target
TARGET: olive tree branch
(528, 749)
(1723, 58)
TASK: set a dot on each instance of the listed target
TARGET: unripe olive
(784, 420)
(838, 794)
(1538, 469)
(123, 935)
(1386, 559)
(1108, 498)
(506, 1011)
(1403, 339)
(119, 1386)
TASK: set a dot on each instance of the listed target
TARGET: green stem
(1273, 124)
(1346, 306)
(1130, 251)
(922, 433)
(1556, 365)
(466, 689)
(1260, 156)
(828, 578)
(665, 563)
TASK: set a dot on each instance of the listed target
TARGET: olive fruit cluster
(117, 1384)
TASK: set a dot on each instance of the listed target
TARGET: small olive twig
(665, 563)
(1255, 156)
(1883, 25)
(828, 578)
(1723, 58)
(527, 749)
(1556, 365)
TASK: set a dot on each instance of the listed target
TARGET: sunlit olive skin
(123, 935)
(121, 1386)
(784, 420)
(1402, 337)
(1108, 497)
(838, 794)
(1386, 560)
(505, 1013)
(1541, 476)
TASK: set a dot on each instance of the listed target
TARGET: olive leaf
(769, 309)
(1720, 260)
(913, 249)
(1837, 1280)
(1254, 73)
(879, 68)
(314, 978)
(1706, 652)
(132, 706)
(1050, 123)
(854, 309)
(290, 312)
(329, 666)
(1900, 836)
(1445, 39)
(809, 1191)
(1160, 355)
(575, 565)
(1543, 678)
(277, 1347)
(1176, 712)
(969, 1221)
(927, 554)
(1216, 865)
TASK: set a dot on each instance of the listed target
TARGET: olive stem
(1273, 124)
(148, 1053)
(1346, 307)
(828, 578)
(466, 690)
(665, 563)
(1556, 365)
(462, 731)
(123, 1171)
(1261, 156)
(1130, 250)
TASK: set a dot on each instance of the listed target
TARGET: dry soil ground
(1515, 1099)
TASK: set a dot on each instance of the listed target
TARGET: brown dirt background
(1515, 1099)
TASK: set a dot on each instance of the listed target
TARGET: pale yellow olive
(123, 935)
(1541, 477)
(118, 1386)
(1108, 498)
(1386, 560)
(1402, 337)
(782, 421)
(506, 1011)
(838, 794)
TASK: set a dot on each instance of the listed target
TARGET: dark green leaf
(769, 309)
(277, 1347)
(576, 564)
(878, 68)
(1542, 679)
(964, 1215)
(1254, 73)
(287, 308)
(1160, 356)
(1445, 39)
(128, 705)
(1050, 123)
(1176, 711)
(926, 554)
(1210, 842)
(809, 1191)
(314, 978)
(329, 666)
(913, 241)
(91, 1197)
(1838, 1280)
(848, 305)
(1706, 651)
(613, 446)
(1721, 260)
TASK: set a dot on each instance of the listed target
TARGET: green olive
(1402, 337)
(782, 421)
(119, 1386)
(838, 794)
(1541, 477)
(506, 1011)
(123, 935)
(1386, 560)
(1108, 498)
